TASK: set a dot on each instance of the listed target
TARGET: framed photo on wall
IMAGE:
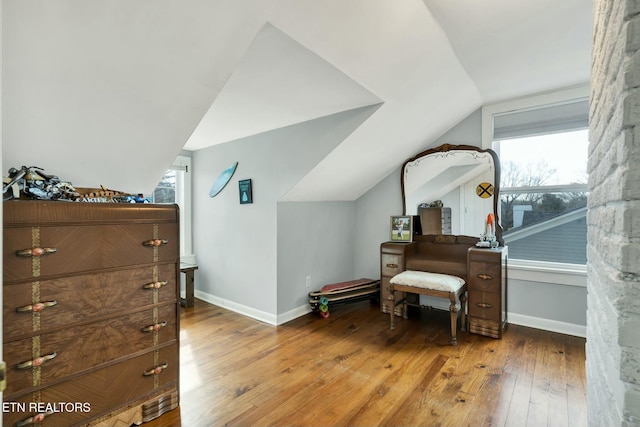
(246, 195)
(401, 228)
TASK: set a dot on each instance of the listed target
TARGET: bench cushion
(426, 280)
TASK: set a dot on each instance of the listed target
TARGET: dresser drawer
(485, 305)
(85, 248)
(102, 391)
(81, 348)
(489, 328)
(391, 264)
(84, 297)
(484, 276)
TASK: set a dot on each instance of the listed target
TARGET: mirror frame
(452, 147)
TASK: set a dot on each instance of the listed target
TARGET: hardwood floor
(351, 370)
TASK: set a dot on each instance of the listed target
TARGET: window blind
(539, 121)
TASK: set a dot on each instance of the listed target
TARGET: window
(542, 144)
(543, 195)
(530, 117)
(175, 187)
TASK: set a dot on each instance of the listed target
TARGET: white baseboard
(275, 320)
(293, 314)
(238, 308)
(547, 325)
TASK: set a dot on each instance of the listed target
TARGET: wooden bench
(433, 284)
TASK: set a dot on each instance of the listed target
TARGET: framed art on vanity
(401, 228)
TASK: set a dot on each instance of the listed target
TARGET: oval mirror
(458, 185)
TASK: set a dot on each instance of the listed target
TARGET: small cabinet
(487, 287)
(392, 262)
(435, 220)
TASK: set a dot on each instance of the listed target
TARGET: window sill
(548, 272)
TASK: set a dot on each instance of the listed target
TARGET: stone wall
(613, 249)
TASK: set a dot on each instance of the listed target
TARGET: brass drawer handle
(392, 265)
(156, 327)
(484, 277)
(36, 252)
(156, 370)
(155, 285)
(155, 242)
(34, 419)
(36, 308)
(36, 362)
(484, 305)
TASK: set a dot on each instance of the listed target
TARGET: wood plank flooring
(351, 370)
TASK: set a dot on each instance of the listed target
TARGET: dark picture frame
(246, 191)
(401, 228)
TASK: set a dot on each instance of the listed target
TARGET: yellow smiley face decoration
(484, 190)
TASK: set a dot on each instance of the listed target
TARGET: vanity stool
(432, 284)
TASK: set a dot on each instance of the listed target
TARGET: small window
(165, 192)
(175, 187)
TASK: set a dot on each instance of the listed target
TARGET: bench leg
(453, 310)
(392, 307)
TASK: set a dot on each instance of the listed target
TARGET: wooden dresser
(487, 287)
(91, 312)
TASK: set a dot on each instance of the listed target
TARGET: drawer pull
(38, 418)
(484, 277)
(484, 305)
(36, 308)
(155, 242)
(36, 362)
(392, 265)
(155, 285)
(36, 252)
(155, 371)
(156, 327)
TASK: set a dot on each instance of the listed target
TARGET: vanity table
(468, 178)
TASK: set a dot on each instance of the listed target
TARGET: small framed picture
(246, 195)
(401, 228)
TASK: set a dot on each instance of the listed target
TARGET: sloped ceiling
(108, 93)
(277, 83)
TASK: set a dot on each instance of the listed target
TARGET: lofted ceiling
(110, 92)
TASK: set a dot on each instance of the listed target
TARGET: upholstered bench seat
(424, 279)
(433, 284)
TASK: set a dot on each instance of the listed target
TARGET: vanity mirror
(464, 178)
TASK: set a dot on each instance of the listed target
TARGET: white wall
(551, 306)
(613, 218)
(315, 239)
(237, 245)
(373, 210)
